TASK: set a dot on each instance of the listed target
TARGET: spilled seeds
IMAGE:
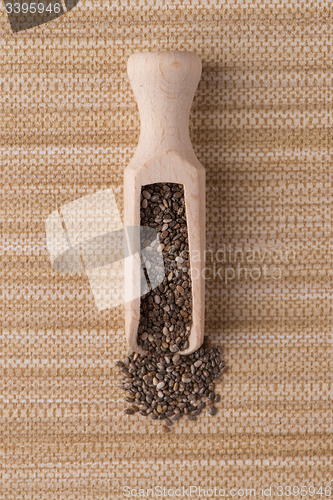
(169, 386)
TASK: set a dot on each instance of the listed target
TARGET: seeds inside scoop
(166, 311)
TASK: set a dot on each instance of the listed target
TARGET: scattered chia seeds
(177, 397)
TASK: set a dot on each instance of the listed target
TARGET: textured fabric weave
(261, 125)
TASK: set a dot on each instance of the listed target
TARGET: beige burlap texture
(261, 125)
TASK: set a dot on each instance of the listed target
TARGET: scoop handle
(164, 84)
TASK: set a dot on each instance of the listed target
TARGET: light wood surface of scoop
(164, 84)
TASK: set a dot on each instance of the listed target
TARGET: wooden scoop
(164, 84)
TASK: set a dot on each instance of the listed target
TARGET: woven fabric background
(261, 125)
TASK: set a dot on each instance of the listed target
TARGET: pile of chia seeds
(169, 386)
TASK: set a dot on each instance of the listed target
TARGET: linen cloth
(261, 125)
